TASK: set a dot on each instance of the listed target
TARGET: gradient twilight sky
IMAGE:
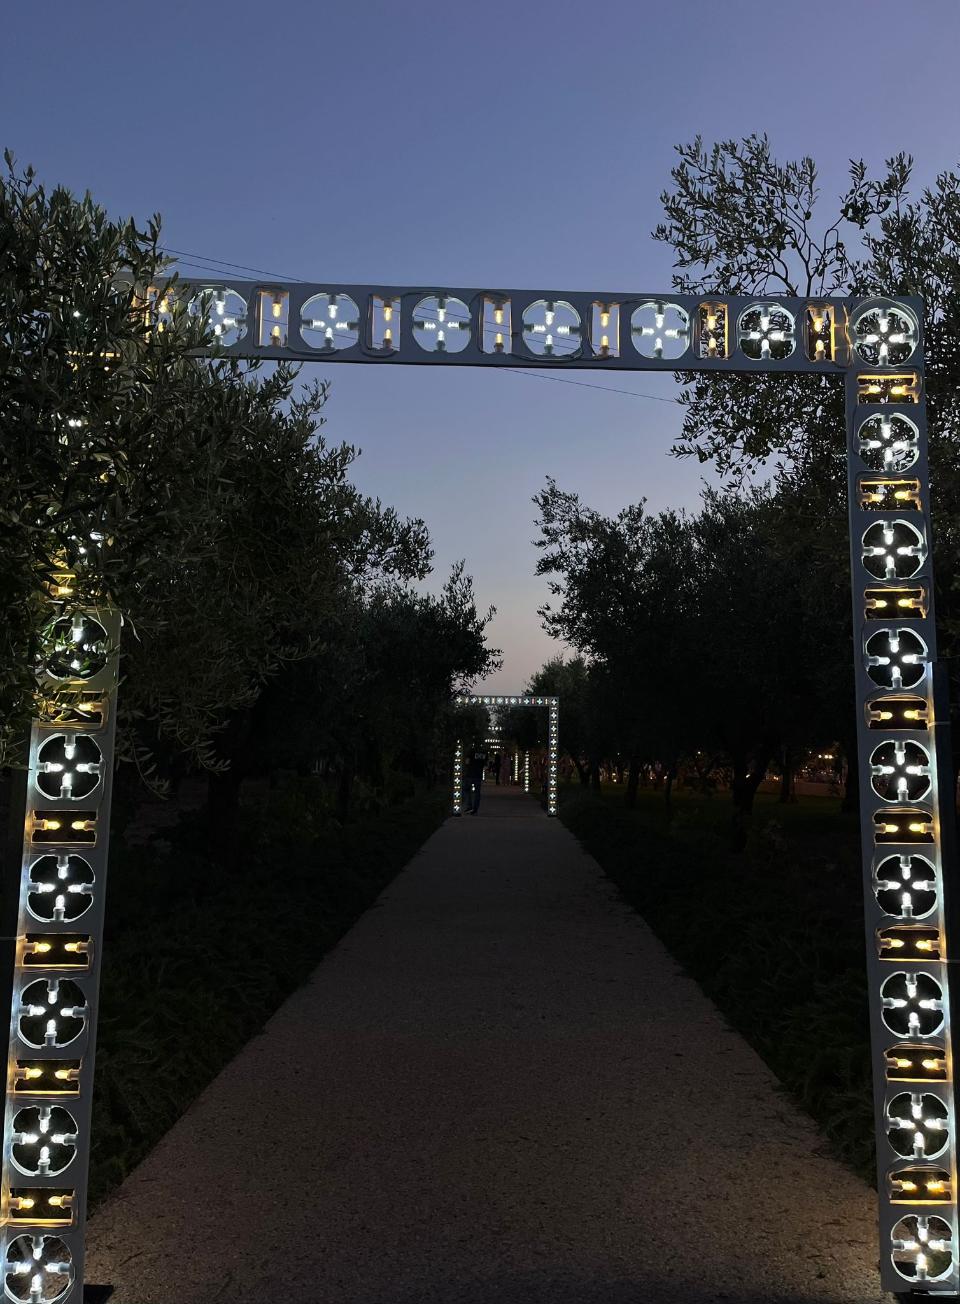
(416, 141)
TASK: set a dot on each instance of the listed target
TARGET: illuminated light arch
(875, 346)
(552, 707)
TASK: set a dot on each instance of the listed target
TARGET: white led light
(885, 335)
(893, 550)
(441, 324)
(224, 310)
(551, 329)
(660, 329)
(330, 322)
(767, 332)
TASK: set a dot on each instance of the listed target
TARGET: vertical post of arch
(907, 806)
(553, 751)
(458, 778)
(53, 1017)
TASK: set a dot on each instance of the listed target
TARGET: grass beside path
(774, 936)
(208, 930)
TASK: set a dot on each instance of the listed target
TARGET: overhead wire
(182, 255)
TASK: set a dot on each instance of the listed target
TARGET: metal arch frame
(723, 333)
(280, 338)
(552, 705)
(44, 1205)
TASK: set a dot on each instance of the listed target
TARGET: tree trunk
(633, 783)
(671, 774)
(746, 781)
(787, 793)
(583, 774)
(595, 776)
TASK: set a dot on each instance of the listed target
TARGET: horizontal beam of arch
(552, 706)
(607, 330)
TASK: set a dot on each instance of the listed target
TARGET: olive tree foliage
(578, 735)
(262, 549)
(741, 222)
(371, 700)
(84, 389)
(201, 499)
(701, 633)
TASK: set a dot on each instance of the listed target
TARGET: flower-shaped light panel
(912, 1004)
(38, 1269)
(917, 1125)
(889, 442)
(43, 1140)
(330, 322)
(896, 658)
(69, 766)
(441, 324)
(893, 550)
(660, 329)
(60, 887)
(922, 1248)
(906, 886)
(900, 771)
(76, 647)
(886, 335)
(767, 332)
(225, 311)
(552, 328)
(53, 1012)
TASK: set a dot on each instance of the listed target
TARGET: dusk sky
(516, 144)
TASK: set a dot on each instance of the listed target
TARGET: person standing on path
(476, 767)
(497, 763)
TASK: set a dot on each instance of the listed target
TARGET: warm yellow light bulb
(936, 1188)
(388, 312)
(605, 318)
(902, 1063)
(916, 828)
(498, 316)
(930, 1064)
(276, 307)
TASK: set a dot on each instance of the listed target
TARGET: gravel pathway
(498, 1089)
